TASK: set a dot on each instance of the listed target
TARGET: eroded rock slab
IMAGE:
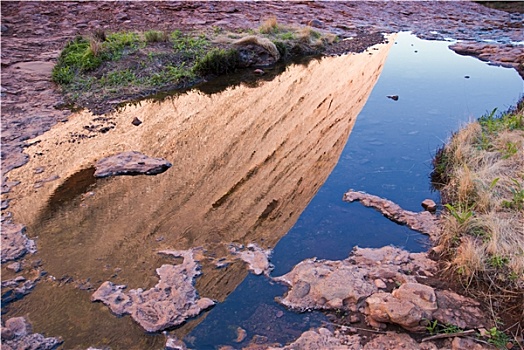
(256, 258)
(342, 284)
(130, 163)
(423, 222)
(15, 243)
(17, 334)
(169, 303)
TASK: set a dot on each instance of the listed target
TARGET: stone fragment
(136, 122)
(15, 243)
(429, 205)
(130, 163)
(169, 303)
(241, 335)
(17, 334)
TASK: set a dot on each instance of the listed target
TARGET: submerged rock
(169, 303)
(423, 222)
(15, 243)
(130, 163)
(256, 257)
(15, 289)
(17, 334)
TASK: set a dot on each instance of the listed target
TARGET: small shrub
(217, 61)
(62, 75)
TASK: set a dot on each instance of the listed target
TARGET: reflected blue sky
(388, 154)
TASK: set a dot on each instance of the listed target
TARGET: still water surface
(271, 171)
(388, 154)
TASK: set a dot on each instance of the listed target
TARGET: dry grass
(95, 46)
(482, 168)
(270, 25)
(265, 43)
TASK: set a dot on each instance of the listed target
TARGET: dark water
(388, 154)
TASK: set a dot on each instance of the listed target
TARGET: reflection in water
(246, 162)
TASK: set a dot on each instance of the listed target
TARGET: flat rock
(342, 284)
(17, 334)
(15, 243)
(459, 310)
(169, 303)
(130, 163)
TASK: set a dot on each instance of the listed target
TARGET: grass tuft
(217, 61)
(480, 173)
(269, 26)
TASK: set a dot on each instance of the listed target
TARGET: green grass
(217, 61)
(103, 66)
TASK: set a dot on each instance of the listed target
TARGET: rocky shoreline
(31, 42)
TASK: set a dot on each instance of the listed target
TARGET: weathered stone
(408, 306)
(130, 163)
(256, 257)
(17, 334)
(169, 303)
(15, 243)
(325, 284)
(423, 222)
(460, 311)
(429, 205)
(419, 294)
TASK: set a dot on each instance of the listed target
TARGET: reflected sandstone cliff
(246, 162)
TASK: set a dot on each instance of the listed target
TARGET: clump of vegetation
(217, 61)
(96, 68)
(480, 173)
